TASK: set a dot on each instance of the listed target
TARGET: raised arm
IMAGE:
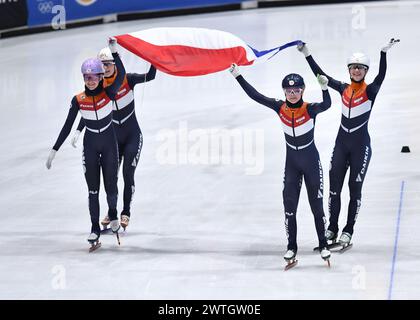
(374, 87)
(136, 78)
(316, 69)
(253, 93)
(112, 90)
(315, 108)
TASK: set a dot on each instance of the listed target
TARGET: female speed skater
(126, 126)
(100, 149)
(302, 158)
(352, 146)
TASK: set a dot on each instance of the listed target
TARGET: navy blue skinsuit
(100, 149)
(127, 129)
(352, 146)
(302, 158)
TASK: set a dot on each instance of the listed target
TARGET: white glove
(75, 138)
(304, 49)
(112, 44)
(390, 44)
(50, 158)
(323, 81)
(234, 70)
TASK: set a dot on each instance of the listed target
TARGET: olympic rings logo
(45, 7)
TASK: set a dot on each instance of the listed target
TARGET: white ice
(210, 231)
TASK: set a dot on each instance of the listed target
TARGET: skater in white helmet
(352, 146)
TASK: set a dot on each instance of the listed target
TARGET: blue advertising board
(40, 12)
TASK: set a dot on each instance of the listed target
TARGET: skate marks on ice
(34, 243)
(37, 243)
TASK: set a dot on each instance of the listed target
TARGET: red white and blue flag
(193, 51)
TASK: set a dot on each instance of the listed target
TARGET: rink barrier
(21, 17)
(286, 3)
(13, 14)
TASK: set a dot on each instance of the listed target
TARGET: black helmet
(293, 80)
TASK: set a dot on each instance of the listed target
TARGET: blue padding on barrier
(40, 11)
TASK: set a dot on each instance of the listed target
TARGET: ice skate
(331, 239)
(290, 258)
(344, 242)
(93, 239)
(124, 221)
(115, 227)
(325, 255)
(105, 222)
(331, 236)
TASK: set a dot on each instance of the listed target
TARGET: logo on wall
(45, 7)
(85, 2)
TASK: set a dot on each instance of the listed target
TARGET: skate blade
(94, 246)
(290, 265)
(106, 231)
(330, 246)
(118, 238)
(344, 248)
(328, 262)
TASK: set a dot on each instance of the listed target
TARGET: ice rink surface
(210, 231)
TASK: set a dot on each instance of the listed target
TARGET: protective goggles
(357, 66)
(92, 77)
(108, 63)
(290, 91)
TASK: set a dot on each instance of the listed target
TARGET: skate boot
(290, 258)
(115, 227)
(124, 221)
(105, 222)
(345, 238)
(93, 239)
(331, 236)
(325, 255)
(344, 241)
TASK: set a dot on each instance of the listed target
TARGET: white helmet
(105, 55)
(358, 58)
